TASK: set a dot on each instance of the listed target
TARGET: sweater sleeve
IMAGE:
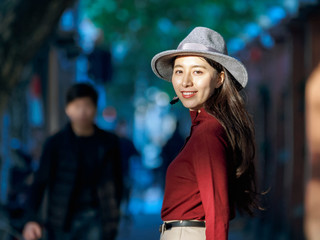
(210, 165)
(41, 181)
(117, 171)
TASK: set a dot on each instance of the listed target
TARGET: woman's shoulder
(210, 125)
(209, 136)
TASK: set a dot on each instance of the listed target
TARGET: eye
(197, 72)
(178, 72)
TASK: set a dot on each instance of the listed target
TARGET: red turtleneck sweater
(197, 180)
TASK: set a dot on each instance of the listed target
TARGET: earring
(174, 100)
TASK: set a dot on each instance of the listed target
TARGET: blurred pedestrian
(80, 168)
(214, 172)
(312, 197)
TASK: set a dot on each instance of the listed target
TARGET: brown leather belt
(183, 223)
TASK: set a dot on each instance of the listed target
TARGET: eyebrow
(193, 66)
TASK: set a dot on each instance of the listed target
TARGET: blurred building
(279, 63)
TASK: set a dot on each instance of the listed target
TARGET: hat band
(196, 46)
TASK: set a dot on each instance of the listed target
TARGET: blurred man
(80, 168)
(312, 197)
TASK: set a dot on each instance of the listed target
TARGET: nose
(187, 80)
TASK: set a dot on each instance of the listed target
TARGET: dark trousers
(86, 225)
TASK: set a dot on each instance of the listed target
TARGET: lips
(188, 94)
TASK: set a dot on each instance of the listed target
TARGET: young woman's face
(194, 81)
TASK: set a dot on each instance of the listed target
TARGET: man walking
(80, 168)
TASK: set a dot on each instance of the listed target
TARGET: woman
(214, 172)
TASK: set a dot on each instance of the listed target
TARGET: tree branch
(24, 26)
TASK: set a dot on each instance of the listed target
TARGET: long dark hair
(228, 106)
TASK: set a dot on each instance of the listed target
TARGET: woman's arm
(211, 172)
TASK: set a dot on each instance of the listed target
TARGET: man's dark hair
(81, 90)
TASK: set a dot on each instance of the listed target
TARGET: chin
(192, 107)
(84, 123)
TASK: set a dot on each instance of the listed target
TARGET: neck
(196, 109)
(83, 130)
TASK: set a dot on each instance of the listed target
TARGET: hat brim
(162, 63)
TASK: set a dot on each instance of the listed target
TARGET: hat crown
(206, 37)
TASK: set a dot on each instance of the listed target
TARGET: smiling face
(194, 81)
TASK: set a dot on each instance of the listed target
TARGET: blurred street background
(46, 46)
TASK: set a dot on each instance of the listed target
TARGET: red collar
(199, 115)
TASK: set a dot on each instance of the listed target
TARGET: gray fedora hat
(202, 42)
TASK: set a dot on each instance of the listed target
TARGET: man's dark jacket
(57, 174)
